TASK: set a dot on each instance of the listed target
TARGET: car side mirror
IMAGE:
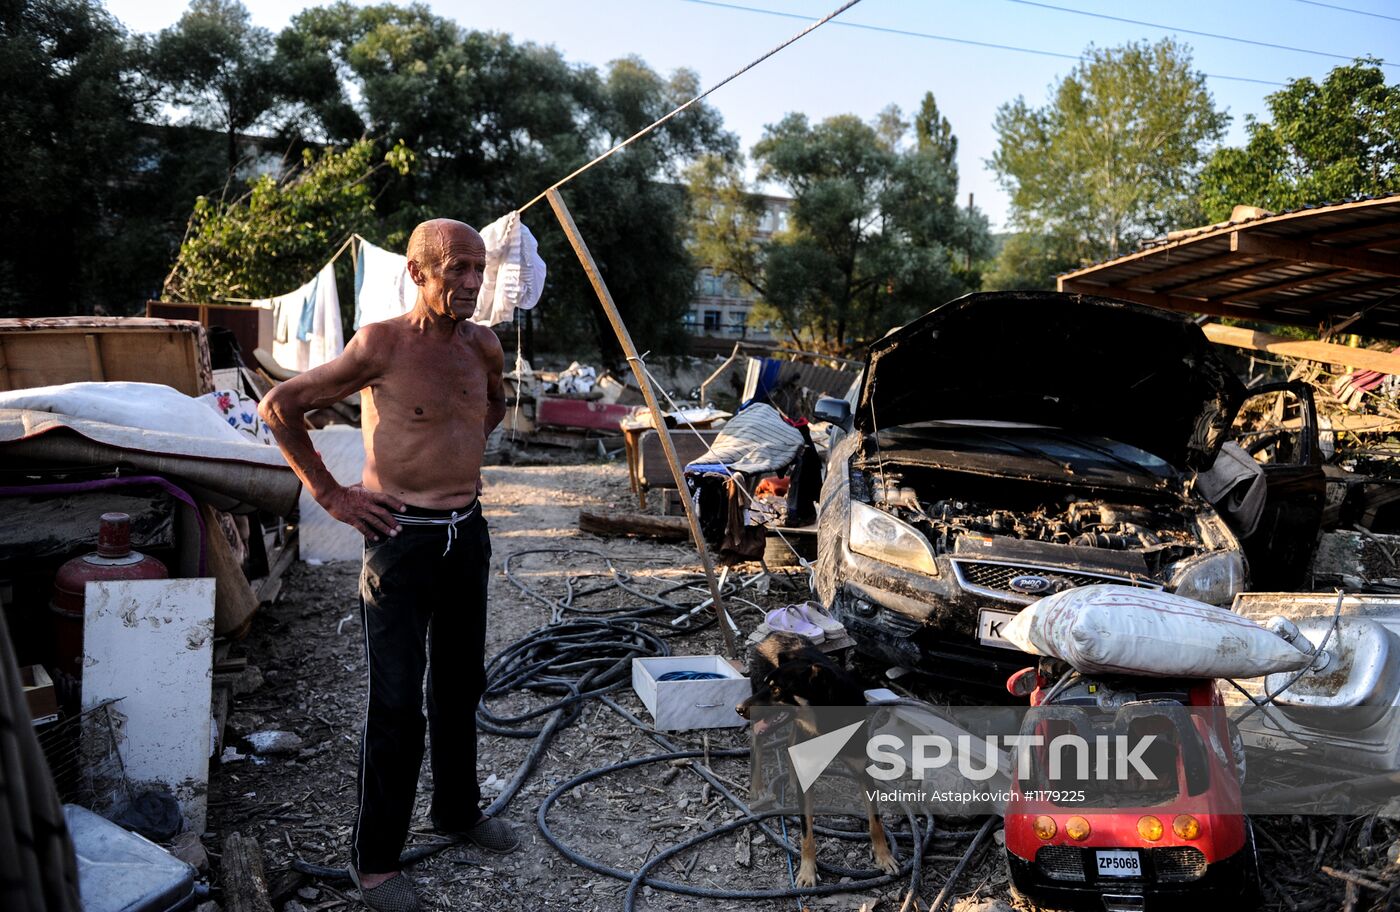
(833, 411)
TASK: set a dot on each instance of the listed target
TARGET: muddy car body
(1008, 445)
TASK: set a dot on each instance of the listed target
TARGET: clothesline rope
(719, 85)
(335, 256)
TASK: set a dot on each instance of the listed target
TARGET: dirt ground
(308, 647)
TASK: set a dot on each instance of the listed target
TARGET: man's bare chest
(433, 390)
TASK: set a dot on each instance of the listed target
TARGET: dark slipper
(492, 835)
(394, 895)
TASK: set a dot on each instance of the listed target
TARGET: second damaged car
(1009, 445)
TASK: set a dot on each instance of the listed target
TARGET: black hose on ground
(588, 657)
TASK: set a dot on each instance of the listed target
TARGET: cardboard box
(687, 705)
(38, 693)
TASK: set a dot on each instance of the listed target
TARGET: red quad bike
(1175, 841)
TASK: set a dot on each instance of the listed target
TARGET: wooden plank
(4, 369)
(241, 873)
(1312, 350)
(270, 585)
(94, 353)
(642, 525)
(624, 337)
(1257, 244)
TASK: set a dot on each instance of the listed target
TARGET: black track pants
(423, 609)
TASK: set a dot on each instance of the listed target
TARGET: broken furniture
(251, 326)
(45, 352)
(651, 468)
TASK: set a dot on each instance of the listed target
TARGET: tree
(219, 64)
(875, 231)
(1115, 155)
(934, 134)
(67, 74)
(275, 236)
(1326, 142)
(494, 123)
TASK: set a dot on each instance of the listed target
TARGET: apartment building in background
(722, 306)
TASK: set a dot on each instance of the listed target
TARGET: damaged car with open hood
(1008, 445)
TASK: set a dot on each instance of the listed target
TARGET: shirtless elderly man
(432, 393)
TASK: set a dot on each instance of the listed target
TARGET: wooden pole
(624, 338)
(1309, 349)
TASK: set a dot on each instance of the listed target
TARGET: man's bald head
(433, 242)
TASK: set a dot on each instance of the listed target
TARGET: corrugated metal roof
(1309, 266)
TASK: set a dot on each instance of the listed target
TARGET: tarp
(150, 427)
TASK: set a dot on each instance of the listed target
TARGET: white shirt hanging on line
(306, 323)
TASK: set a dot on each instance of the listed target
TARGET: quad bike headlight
(877, 534)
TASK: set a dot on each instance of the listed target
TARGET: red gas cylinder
(113, 560)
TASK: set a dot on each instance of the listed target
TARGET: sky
(840, 69)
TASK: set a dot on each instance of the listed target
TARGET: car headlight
(877, 534)
(1210, 578)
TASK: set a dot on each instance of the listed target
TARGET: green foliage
(494, 123)
(875, 236)
(278, 234)
(934, 134)
(1326, 142)
(218, 63)
(1114, 157)
(1030, 261)
(71, 98)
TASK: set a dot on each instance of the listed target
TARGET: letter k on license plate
(990, 625)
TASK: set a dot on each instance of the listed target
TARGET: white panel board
(149, 644)
(322, 537)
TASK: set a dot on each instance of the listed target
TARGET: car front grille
(1061, 862)
(1178, 863)
(996, 578)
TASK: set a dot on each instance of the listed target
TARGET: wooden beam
(624, 338)
(1333, 294)
(1285, 285)
(1352, 231)
(1319, 254)
(4, 369)
(1179, 303)
(1312, 350)
(1156, 278)
(1241, 272)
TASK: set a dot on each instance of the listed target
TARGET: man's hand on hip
(367, 511)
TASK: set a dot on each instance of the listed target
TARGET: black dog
(786, 670)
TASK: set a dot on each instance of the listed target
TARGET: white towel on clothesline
(514, 271)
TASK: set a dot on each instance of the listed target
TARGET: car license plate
(1118, 863)
(990, 625)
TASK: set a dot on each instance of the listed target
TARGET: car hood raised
(1143, 376)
